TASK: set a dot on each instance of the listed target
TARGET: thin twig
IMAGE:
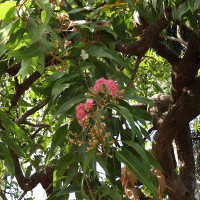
(196, 138)
(2, 195)
(30, 112)
(36, 125)
(35, 133)
(180, 40)
(23, 87)
(22, 195)
(139, 58)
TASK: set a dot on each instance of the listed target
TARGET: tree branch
(161, 105)
(30, 112)
(23, 87)
(22, 195)
(2, 195)
(44, 176)
(180, 40)
(141, 46)
(186, 158)
(185, 109)
(135, 71)
(36, 125)
(164, 52)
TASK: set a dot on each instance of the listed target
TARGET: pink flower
(96, 88)
(98, 84)
(100, 81)
(89, 104)
(110, 84)
(80, 114)
(80, 107)
(67, 43)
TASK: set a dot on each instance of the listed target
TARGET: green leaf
(39, 33)
(103, 52)
(59, 87)
(84, 55)
(193, 21)
(127, 115)
(137, 168)
(62, 165)
(69, 189)
(139, 149)
(137, 98)
(41, 63)
(154, 3)
(140, 113)
(26, 68)
(33, 50)
(5, 7)
(182, 10)
(56, 75)
(148, 16)
(12, 143)
(88, 158)
(191, 5)
(73, 170)
(69, 104)
(153, 161)
(7, 157)
(57, 139)
(45, 5)
(12, 127)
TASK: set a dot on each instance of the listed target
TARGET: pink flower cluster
(110, 84)
(82, 109)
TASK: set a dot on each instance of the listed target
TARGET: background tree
(75, 81)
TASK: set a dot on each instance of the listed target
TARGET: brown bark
(180, 114)
(182, 109)
(186, 158)
(44, 176)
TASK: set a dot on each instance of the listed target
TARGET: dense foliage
(87, 86)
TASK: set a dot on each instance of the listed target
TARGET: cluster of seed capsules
(97, 136)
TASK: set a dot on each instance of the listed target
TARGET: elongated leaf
(127, 115)
(141, 113)
(136, 167)
(12, 143)
(26, 68)
(137, 98)
(139, 149)
(38, 34)
(27, 52)
(57, 139)
(191, 5)
(88, 158)
(182, 10)
(103, 52)
(61, 167)
(154, 3)
(45, 5)
(7, 157)
(59, 87)
(12, 127)
(5, 7)
(73, 170)
(69, 189)
(56, 75)
(153, 161)
(69, 104)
